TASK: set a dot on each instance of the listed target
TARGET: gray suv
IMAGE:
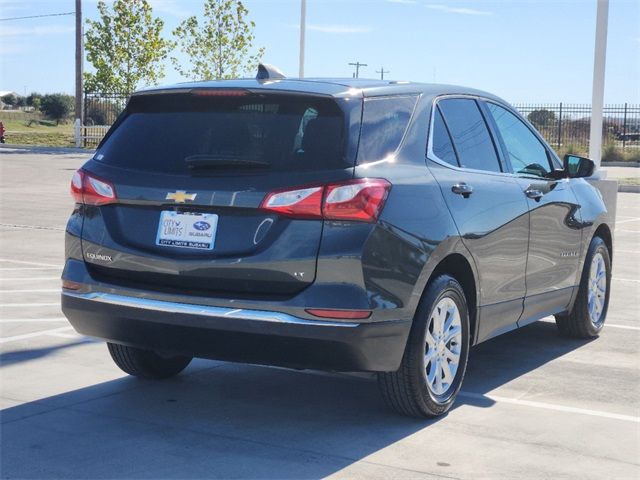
(336, 224)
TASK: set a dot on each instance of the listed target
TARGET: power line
(37, 16)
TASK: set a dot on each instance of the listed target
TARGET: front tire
(435, 358)
(589, 311)
(146, 363)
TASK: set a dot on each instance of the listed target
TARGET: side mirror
(577, 167)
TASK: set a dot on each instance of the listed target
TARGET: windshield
(187, 134)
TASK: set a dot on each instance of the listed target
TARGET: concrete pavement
(534, 404)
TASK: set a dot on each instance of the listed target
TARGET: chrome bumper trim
(202, 310)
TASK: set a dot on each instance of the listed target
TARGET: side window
(526, 153)
(384, 122)
(470, 134)
(442, 146)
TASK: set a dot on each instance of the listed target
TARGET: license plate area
(187, 230)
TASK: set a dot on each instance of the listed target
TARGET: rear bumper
(241, 335)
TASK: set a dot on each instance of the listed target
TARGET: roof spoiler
(269, 72)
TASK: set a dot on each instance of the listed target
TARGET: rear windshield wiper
(205, 161)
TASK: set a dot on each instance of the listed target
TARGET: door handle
(534, 194)
(462, 189)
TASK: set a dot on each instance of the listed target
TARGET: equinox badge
(180, 196)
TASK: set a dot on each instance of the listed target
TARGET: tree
(125, 47)
(219, 46)
(9, 99)
(542, 117)
(34, 99)
(57, 106)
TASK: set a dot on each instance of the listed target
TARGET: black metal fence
(103, 108)
(563, 125)
(567, 126)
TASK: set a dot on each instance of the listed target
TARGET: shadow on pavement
(237, 420)
(17, 356)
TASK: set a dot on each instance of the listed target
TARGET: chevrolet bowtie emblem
(180, 196)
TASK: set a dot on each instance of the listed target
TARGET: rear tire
(589, 312)
(435, 358)
(146, 363)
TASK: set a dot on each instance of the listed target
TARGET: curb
(629, 188)
(620, 164)
(41, 149)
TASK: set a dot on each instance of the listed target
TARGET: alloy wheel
(443, 346)
(596, 295)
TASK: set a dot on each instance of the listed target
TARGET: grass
(610, 152)
(629, 181)
(32, 129)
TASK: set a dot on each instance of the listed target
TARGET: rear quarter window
(384, 121)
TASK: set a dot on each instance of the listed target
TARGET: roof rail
(269, 72)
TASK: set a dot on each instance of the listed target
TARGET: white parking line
(27, 279)
(32, 320)
(551, 406)
(35, 290)
(31, 227)
(627, 279)
(22, 262)
(26, 336)
(618, 222)
(64, 335)
(20, 269)
(624, 327)
(56, 304)
(607, 325)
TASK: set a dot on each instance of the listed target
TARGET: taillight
(76, 186)
(356, 200)
(87, 189)
(360, 200)
(301, 203)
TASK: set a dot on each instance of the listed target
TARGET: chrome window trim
(434, 158)
(203, 310)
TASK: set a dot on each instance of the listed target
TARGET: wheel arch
(603, 231)
(456, 265)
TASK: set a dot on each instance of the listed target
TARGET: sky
(521, 50)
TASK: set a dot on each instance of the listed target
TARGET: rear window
(164, 133)
(384, 121)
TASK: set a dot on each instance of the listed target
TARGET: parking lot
(533, 405)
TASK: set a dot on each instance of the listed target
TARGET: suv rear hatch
(188, 172)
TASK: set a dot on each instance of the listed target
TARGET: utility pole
(382, 71)
(303, 27)
(79, 55)
(356, 74)
(597, 99)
